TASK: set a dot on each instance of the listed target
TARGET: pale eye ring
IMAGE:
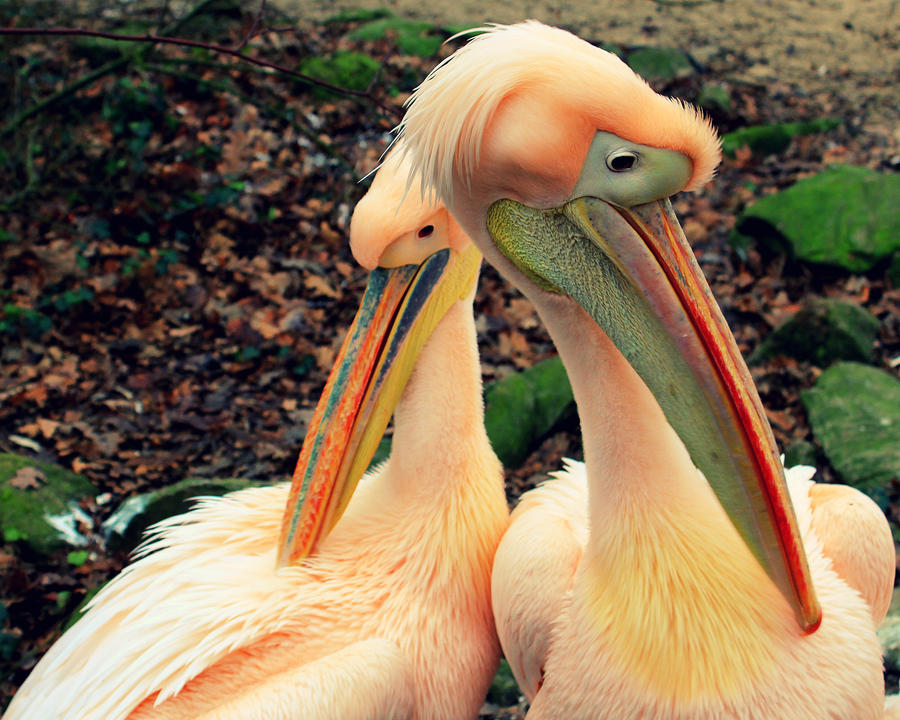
(622, 160)
(425, 231)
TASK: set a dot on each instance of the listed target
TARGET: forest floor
(850, 49)
(174, 235)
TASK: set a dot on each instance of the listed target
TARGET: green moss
(800, 453)
(660, 64)
(823, 333)
(77, 557)
(772, 139)
(23, 513)
(846, 216)
(714, 96)
(522, 408)
(348, 69)
(854, 413)
(76, 614)
(126, 526)
(893, 271)
(412, 37)
(504, 690)
(357, 15)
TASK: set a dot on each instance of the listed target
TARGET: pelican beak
(634, 273)
(399, 310)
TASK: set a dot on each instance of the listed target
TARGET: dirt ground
(845, 47)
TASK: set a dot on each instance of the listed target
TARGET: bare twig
(254, 27)
(381, 66)
(106, 69)
(212, 47)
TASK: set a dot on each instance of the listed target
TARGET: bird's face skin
(564, 184)
(421, 264)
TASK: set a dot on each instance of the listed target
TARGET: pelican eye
(621, 160)
(425, 231)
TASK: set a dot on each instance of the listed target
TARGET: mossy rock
(713, 96)
(76, 614)
(854, 413)
(34, 516)
(349, 70)
(772, 139)
(504, 690)
(800, 452)
(125, 528)
(823, 333)
(413, 37)
(8, 641)
(657, 65)
(522, 408)
(889, 636)
(357, 15)
(846, 217)
(893, 271)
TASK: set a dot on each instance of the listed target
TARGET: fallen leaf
(28, 478)
(319, 286)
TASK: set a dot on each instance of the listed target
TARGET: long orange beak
(633, 271)
(399, 310)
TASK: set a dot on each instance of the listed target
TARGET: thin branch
(109, 67)
(183, 42)
(381, 67)
(254, 27)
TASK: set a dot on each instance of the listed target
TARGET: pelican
(333, 608)
(671, 575)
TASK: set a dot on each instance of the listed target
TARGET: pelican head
(421, 263)
(558, 161)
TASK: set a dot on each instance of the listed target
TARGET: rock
(714, 96)
(8, 640)
(657, 65)
(44, 514)
(504, 690)
(889, 636)
(124, 529)
(772, 139)
(846, 216)
(345, 69)
(800, 452)
(854, 412)
(76, 614)
(522, 408)
(893, 271)
(412, 37)
(822, 333)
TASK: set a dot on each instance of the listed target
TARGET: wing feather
(534, 568)
(219, 555)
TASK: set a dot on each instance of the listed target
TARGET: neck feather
(439, 421)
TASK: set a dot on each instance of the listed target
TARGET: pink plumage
(391, 618)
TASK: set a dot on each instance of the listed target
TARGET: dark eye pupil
(622, 162)
(426, 231)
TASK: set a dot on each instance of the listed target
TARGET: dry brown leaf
(320, 286)
(47, 426)
(28, 478)
(183, 331)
